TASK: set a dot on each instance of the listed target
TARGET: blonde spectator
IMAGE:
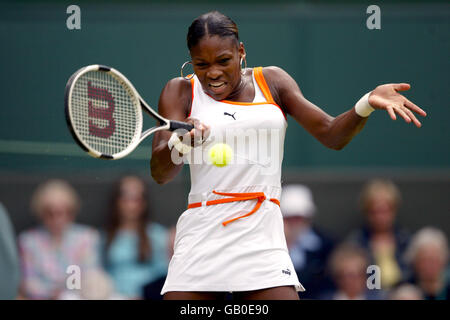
(428, 256)
(48, 250)
(384, 240)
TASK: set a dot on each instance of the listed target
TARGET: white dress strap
(259, 96)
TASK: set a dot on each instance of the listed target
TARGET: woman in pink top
(48, 250)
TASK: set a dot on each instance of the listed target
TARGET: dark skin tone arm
(335, 132)
(174, 103)
(217, 60)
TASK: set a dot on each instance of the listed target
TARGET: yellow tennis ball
(220, 154)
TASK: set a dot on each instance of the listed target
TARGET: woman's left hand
(386, 97)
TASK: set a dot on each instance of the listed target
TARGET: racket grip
(174, 125)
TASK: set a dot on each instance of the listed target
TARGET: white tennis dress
(216, 248)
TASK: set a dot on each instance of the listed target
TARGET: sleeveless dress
(231, 237)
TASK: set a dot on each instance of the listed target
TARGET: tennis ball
(220, 154)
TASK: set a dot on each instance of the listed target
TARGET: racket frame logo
(109, 133)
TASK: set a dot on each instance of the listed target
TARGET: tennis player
(231, 238)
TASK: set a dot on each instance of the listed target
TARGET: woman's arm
(336, 132)
(174, 104)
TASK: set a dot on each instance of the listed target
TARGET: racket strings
(105, 112)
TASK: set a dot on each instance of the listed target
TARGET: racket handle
(174, 125)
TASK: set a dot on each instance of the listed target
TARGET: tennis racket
(104, 113)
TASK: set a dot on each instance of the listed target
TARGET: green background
(326, 48)
(324, 45)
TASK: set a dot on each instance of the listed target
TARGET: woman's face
(217, 65)
(350, 276)
(57, 213)
(381, 212)
(131, 200)
(429, 262)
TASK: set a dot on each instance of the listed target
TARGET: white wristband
(175, 142)
(362, 107)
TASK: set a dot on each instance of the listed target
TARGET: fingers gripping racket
(104, 113)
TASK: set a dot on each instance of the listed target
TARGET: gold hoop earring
(181, 71)
(245, 65)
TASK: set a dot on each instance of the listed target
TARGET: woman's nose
(214, 73)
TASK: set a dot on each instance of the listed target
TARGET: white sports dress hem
(227, 288)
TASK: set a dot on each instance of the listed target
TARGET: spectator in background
(47, 250)
(152, 290)
(309, 248)
(428, 256)
(135, 248)
(96, 284)
(406, 292)
(348, 265)
(384, 240)
(9, 260)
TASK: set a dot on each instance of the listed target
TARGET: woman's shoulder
(84, 231)
(177, 88)
(278, 81)
(31, 235)
(274, 73)
(158, 235)
(155, 227)
(178, 84)
(176, 92)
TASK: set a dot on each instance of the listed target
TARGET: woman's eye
(200, 64)
(225, 60)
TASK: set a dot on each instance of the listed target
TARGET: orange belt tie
(236, 197)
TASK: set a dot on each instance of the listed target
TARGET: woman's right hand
(198, 135)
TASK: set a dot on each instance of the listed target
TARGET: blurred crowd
(128, 258)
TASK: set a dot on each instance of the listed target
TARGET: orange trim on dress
(260, 196)
(259, 77)
(192, 97)
(260, 80)
(243, 103)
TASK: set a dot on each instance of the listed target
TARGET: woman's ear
(242, 52)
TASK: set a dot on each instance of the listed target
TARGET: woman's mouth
(217, 87)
